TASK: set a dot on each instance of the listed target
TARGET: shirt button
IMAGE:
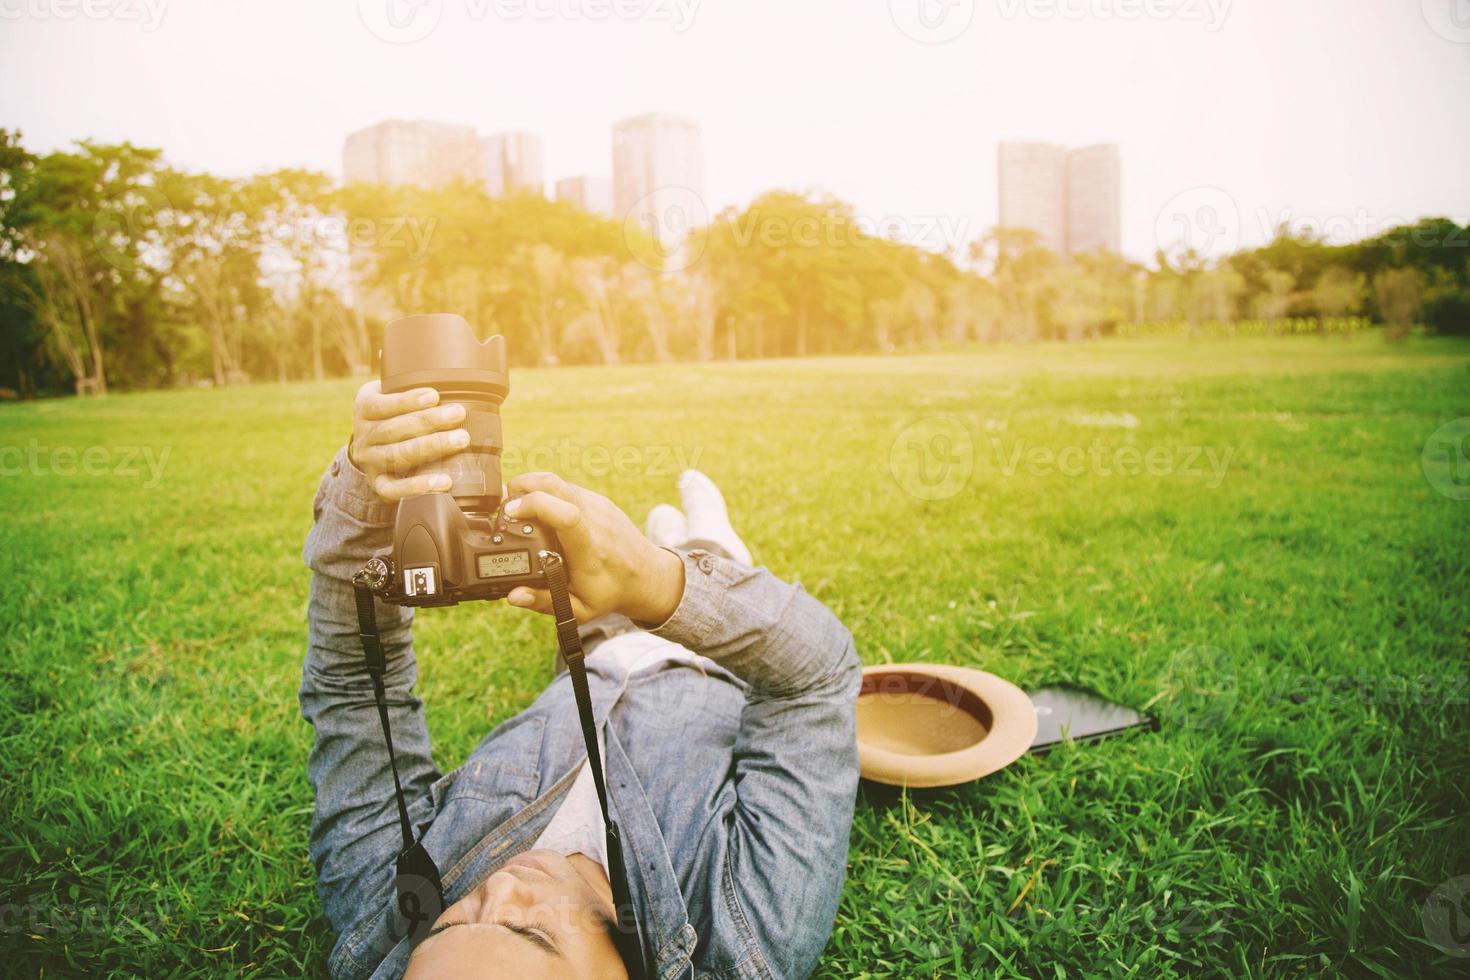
(706, 564)
(336, 466)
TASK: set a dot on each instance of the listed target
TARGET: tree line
(120, 271)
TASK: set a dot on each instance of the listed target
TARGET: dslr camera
(460, 545)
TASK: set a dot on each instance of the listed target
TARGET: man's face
(540, 915)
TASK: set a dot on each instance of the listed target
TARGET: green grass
(1306, 794)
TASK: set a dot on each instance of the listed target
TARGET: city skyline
(1364, 145)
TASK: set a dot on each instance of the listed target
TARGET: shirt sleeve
(355, 836)
(796, 764)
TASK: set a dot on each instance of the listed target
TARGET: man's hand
(611, 566)
(393, 434)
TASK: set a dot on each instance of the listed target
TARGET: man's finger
(403, 456)
(561, 516)
(396, 489)
(373, 405)
(539, 600)
(546, 483)
(405, 427)
(536, 600)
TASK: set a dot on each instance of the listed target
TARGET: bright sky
(1231, 114)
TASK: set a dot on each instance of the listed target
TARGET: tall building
(513, 164)
(1033, 191)
(417, 152)
(593, 194)
(1071, 199)
(1094, 199)
(658, 174)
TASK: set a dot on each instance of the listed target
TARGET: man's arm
(354, 829)
(354, 832)
(796, 764)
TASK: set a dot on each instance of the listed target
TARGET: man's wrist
(661, 590)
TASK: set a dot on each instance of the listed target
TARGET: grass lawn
(1270, 572)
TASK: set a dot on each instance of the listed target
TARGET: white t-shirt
(577, 826)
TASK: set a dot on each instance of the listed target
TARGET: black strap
(625, 933)
(372, 648)
(420, 893)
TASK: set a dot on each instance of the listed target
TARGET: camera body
(443, 556)
(457, 546)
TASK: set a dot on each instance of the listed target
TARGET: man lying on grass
(723, 698)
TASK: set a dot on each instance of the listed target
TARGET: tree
(1399, 294)
(91, 232)
(1273, 303)
(1338, 292)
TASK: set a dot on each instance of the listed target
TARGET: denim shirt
(733, 786)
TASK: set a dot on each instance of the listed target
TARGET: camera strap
(420, 891)
(625, 930)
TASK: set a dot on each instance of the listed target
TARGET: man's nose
(505, 892)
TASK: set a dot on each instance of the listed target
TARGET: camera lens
(440, 351)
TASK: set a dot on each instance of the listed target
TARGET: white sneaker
(709, 519)
(666, 526)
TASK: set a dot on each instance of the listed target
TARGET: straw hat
(928, 725)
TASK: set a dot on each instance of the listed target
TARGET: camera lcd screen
(503, 563)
